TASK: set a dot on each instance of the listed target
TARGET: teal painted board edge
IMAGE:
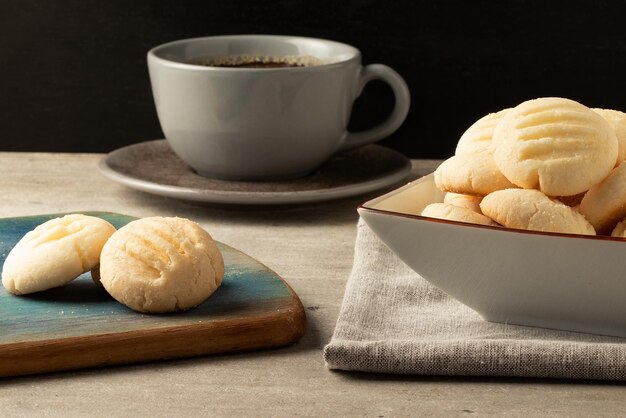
(82, 308)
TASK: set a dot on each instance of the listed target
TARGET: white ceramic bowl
(552, 280)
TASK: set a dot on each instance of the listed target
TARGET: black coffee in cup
(250, 61)
(258, 64)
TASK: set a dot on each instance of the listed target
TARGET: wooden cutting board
(80, 325)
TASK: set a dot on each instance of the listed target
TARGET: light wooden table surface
(312, 248)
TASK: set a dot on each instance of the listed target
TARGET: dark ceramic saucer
(154, 168)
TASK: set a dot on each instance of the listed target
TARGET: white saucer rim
(255, 198)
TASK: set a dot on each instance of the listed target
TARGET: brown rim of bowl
(497, 228)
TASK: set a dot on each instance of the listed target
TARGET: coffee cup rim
(352, 53)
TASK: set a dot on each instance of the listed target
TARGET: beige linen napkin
(394, 321)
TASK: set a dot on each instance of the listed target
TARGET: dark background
(73, 75)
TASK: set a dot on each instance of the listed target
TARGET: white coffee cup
(242, 123)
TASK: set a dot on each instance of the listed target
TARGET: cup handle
(398, 114)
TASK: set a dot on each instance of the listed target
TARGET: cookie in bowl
(464, 200)
(533, 210)
(617, 120)
(473, 174)
(554, 145)
(478, 137)
(456, 213)
(605, 203)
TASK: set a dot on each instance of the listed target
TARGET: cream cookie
(605, 203)
(617, 120)
(55, 253)
(619, 230)
(531, 209)
(477, 138)
(455, 213)
(161, 265)
(474, 174)
(464, 201)
(554, 145)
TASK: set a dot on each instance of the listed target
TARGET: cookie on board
(161, 264)
(55, 253)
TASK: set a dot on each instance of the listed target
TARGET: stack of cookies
(549, 164)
